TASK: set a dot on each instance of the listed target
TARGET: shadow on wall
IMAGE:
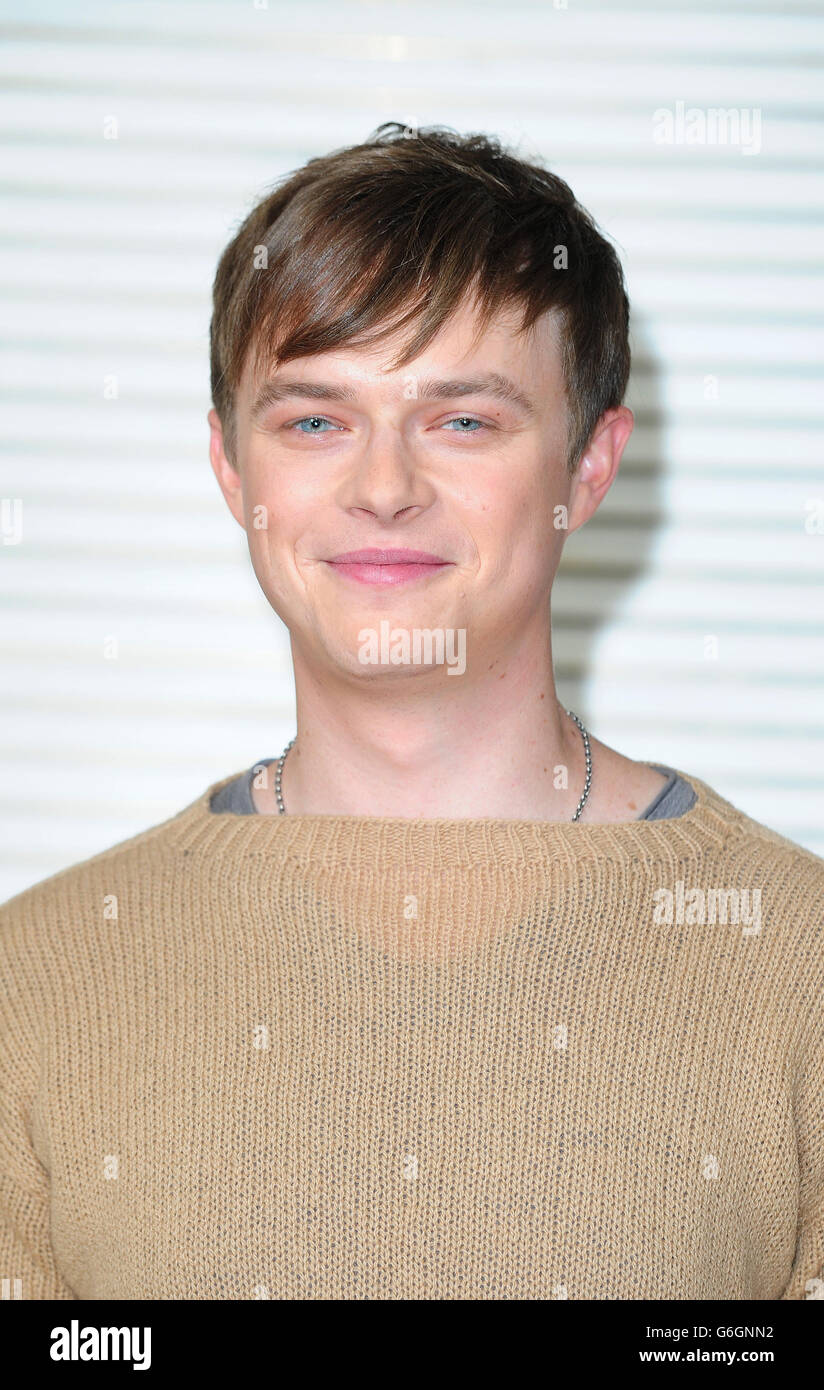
(606, 559)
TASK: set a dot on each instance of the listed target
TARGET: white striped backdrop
(712, 531)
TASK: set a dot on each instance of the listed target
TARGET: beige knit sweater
(339, 1057)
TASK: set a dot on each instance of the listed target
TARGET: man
(450, 1000)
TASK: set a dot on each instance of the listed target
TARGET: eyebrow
(430, 389)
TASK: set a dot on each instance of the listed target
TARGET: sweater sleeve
(26, 1257)
(807, 1275)
(27, 1266)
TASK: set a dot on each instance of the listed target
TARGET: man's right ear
(227, 475)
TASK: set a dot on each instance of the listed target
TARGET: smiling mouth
(386, 567)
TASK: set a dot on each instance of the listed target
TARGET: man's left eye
(466, 420)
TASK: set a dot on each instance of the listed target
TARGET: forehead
(530, 359)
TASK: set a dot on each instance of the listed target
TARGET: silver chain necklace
(578, 809)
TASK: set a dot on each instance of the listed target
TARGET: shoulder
(783, 883)
(751, 844)
(74, 900)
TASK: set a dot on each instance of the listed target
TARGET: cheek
(272, 506)
(257, 496)
(267, 525)
(510, 506)
(517, 542)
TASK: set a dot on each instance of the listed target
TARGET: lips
(383, 567)
(388, 557)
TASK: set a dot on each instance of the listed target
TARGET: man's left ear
(598, 464)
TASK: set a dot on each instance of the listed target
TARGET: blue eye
(468, 420)
(314, 420)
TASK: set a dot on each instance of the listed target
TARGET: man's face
(410, 460)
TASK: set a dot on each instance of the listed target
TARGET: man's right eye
(314, 421)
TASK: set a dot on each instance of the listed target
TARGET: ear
(598, 464)
(227, 475)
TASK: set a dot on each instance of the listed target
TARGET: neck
(430, 745)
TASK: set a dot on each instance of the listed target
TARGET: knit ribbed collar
(329, 841)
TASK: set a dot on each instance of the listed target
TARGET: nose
(384, 480)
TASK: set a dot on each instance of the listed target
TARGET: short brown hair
(397, 230)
